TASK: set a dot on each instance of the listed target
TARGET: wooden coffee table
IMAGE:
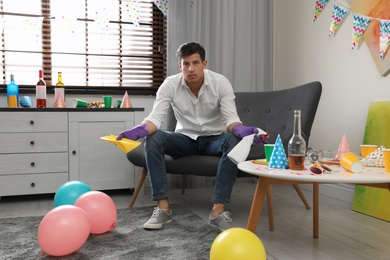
(370, 176)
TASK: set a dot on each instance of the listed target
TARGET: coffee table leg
(257, 203)
(316, 210)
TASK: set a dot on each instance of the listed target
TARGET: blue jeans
(178, 145)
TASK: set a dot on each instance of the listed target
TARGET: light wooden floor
(344, 234)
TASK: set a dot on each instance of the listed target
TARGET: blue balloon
(69, 192)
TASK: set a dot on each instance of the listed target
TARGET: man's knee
(154, 139)
(231, 141)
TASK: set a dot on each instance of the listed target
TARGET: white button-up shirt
(208, 114)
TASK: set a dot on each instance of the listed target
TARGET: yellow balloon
(237, 244)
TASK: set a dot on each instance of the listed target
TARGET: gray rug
(186, 237)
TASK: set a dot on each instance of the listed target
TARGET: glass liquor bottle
(12, 93)
(40, 91)
(60, 87)
(296, 145)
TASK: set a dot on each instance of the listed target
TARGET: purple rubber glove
(260, 139)
(241, 131)
(134, 133)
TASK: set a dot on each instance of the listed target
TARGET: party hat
(278, 157)
(374, 159)
(59, 101)
(126, 103)
(343, 148)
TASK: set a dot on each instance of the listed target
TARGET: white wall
(351, 80)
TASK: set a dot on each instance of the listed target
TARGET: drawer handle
(32, 184)
(32, 164)
(74, 152)
(32, 142)
(31, 122)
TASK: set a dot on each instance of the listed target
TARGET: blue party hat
(278, 157)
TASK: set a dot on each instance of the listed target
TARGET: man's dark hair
(189, 48)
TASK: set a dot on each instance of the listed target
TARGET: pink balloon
(63, 230)
(101, 210)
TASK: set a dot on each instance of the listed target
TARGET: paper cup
(79, 103)
(107, 101)
(25, 101)
(351, 162)
(268, 148)
(366, 149)
(386, 159)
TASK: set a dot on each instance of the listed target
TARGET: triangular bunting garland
(67, 22)
(163, 6)
(132, 10)
(338, 15)
(102, 20)
(320, 5)
(360, 23)
(35, 23)
(278, 157)
(384, 37)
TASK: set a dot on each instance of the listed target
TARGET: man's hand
(134, 133)
(241, 131)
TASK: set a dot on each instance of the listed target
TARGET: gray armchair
(271, 111)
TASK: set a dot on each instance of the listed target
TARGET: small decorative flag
(343, 148)
(163, 6)
(360, 23)
(132, 10)
(338, 15)
(67, 22)
(320, 5)
(374, 159)
(278, 157)
(101, 19)
(35, 24)
(384, 37)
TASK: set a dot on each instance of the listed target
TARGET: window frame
(159, 25)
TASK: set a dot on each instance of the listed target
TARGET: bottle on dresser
(296, 145)
(40, 91)
(12, 93)
(60, 87)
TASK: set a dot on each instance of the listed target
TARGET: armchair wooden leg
(183, 183)
(271, 223)
(301, 195)
(138, 187)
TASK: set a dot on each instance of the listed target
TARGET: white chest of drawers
(41, 150)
